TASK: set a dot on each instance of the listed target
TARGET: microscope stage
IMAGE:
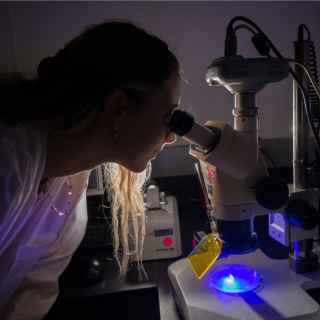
(280, 295)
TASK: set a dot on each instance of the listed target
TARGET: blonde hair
(125, 191)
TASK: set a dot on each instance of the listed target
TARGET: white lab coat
(36, 244)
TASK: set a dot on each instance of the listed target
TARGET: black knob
(272, 193)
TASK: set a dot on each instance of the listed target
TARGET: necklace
(44, 188)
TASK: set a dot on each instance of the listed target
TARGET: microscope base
(281, 295)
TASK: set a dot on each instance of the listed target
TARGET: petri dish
(234, 278)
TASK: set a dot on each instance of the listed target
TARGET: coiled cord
(313, 97)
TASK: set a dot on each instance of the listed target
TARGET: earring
(116, 127)
(116, 132)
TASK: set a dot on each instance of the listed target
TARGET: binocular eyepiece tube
(183, 124)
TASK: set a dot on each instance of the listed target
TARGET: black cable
(274, 49)
(300, 32)
(271, 160)
(313, 97)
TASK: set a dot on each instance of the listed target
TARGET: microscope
(237, 187)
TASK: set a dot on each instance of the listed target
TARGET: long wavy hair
(69, 93)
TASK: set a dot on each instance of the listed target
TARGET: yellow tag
(205, 254)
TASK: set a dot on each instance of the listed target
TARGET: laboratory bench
(132, 298)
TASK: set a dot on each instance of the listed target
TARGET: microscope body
(232, 173)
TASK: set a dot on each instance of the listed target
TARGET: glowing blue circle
(234, 278)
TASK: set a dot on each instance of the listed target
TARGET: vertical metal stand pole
(301, 136)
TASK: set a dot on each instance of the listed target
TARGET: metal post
(301, 136)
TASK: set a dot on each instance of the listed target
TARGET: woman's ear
(116, 101)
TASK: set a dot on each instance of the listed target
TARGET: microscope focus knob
(272, 193)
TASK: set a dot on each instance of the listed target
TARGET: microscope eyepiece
(183, 124)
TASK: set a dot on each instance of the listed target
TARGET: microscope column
(246, 114)
(301, 135)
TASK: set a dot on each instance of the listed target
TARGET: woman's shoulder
(22, 139)
(22, 149)
(22, 161)
(7, 129)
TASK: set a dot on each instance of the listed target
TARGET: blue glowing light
(234, 278)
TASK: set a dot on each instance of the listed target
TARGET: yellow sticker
(205, 254)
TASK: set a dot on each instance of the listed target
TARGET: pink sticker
(167, 242)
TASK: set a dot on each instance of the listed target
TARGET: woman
(106, 98)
